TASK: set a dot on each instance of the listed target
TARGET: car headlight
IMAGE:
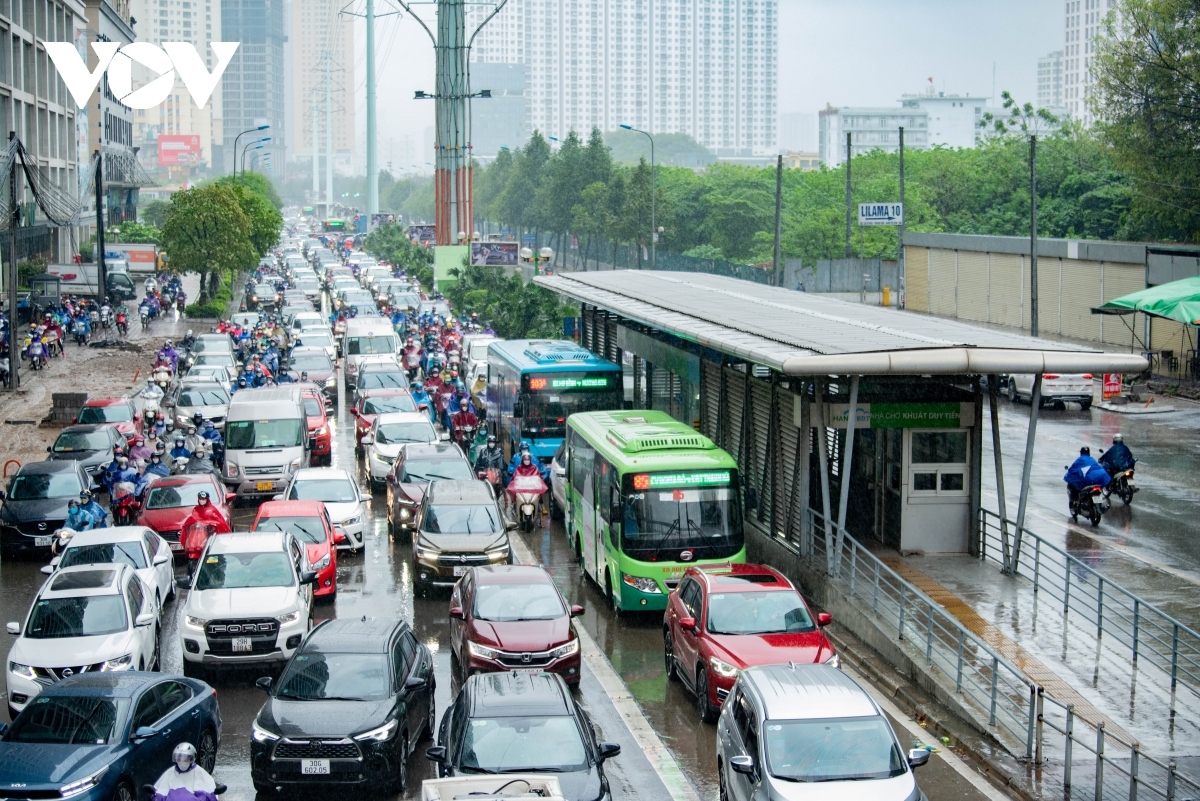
(260, 734)
(382, 458)
(405, 514)
(24, 671)
(722, 668)
(352, 521)
(482, 651)
(379, 734)
(83, 785)
(295, 464)
(322, 431)
(231, 470)
(834, 661)
(289, 618)
(332, 381)
(647, 585)
(498, 555)
(427, 556)
(120, 663)
(322, 563)
(569, 649)
(196, 623)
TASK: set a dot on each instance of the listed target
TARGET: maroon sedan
(722, 619)
(512, 617)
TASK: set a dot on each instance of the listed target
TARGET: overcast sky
(844, 52)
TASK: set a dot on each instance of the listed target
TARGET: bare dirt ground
(100, 372)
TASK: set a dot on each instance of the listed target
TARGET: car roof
(511, 694)
(84, 428)
(432, 450)
(81, 580)
(319, 473)
(105, 401)
(181, 480)
(117, 685)
(303, 349)
(512, 574)
(46, 468)
(460, 492)
(373, 364)
(247, 542)
(401, 417)
(98, 536)
(365, 635)
(741, 577)
(290, 508)
(806, 692)
(202, 383)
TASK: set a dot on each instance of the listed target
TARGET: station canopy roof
(1178, 301)
(801, 333)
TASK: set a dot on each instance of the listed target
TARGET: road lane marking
(660, 757)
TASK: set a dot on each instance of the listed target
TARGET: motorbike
(465, 437)
(162, 376)
(1091, 503)
(125, 505)
(79, 331)
(492, 477)
(106, 317)
(122, 322)
(527, 492)
(1122, 486)
(35, 352)
(180, 301)
(144, 313)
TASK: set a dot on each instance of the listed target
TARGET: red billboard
(178, 150)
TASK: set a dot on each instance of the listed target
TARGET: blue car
(103, 736)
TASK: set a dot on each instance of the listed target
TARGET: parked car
(99, 735)
(339, 492)
(415, 466)
(389, 433)
(210, 400)
(118, 411)
(137, 546)
(1057, 389)
(36, 505)
(250, 601)
(523, 723)
(349, 709)
(459, 527)
(170, 500)
(320, 440)
(309, 523)
(512, 617)
(90, 445)
(378, 401)
(721, 620)
(84, 618)
(788, 727)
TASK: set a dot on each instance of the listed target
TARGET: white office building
(1050, 80)
(706, 68)
(1084, 25)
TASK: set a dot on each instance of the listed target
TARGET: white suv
(84, 618)
(334, 487)
(1057, 389)
(389, 433)
(249, 602)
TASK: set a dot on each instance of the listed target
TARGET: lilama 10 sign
(117, 59)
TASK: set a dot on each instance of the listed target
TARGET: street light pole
(258, 146)
(237, 138)
(653, 199)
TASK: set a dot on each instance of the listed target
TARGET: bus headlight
(643, 584)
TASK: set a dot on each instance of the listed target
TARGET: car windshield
(214, 396)
(705, 521)
(311, 361)
(329, 490)
(68, 720)
(431, 470)
(315, 338)
(479, 350)
(506, 745)
(509, 602)
(305, 529)
(174, 497)
(205, 345)
(461, 519)
(41, 487)
(129, 553)
(215, 358)
(841, 749)
(340, 677)
(246, 320)
(84, 616)
(382, 381)
(393, 433)
(361, 345)
(389, 403)
(69, 441)
(247, 434)
(312, 408)
(236, 571)
(758, 612)
(118, 413)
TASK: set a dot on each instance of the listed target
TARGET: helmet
(167, 344)
(199, 418)
(123, 461)
(191, 430)
(161, 447)
(1117, 438)
(491, 440)
(85, 496)
(202, 498)
(179, 440)
(139, 442)
(73, 503)
(189, 333)
(524, 447)
(155, 457)
(1085, 451)
(462, 404)
(526, 457)
(184, 757)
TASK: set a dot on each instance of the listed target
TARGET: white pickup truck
(82, 279)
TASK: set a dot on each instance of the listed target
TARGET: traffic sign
(529, 239)
(880, 214)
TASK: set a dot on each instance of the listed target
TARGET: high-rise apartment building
(252, 89)
(1084, 25)
(706, 68)
(1050, 80)
(798, 132)
(322, 43)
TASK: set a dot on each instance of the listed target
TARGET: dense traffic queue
(465, 438)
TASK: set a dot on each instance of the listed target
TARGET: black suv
(348, 708)
(36, 504)
(523, 723)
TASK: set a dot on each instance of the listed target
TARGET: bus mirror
(518, 410)
(616, 512)
(751, 499)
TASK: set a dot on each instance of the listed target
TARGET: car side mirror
(456, 612)
(48, 569)
(444, 436)
(183, 582)
(607, 750)
(161, 560)
(3, 495)
(615, 513)
(144, 619)
(277, 497)
(367, 439)
(824, 618)
(49, 449)
(144, 733)
(230, 497)
(917, 757)
(510, 525)
(307, 577)
(743, 765)
(264, 684)
(414, 683)
(518, 410)
(339, 538)
(436, 753)
(353, 410)
(688, 623)
(220, 789)
(14, 628)
(576, 610)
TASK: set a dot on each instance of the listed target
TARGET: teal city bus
(648, 497)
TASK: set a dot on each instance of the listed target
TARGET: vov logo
(179, 57)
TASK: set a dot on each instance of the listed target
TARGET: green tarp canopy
(1178, 301)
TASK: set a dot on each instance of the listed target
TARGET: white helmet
(1117, 438)
(184, 757)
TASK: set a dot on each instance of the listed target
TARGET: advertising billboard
(178, 150)
(494, 254)
(423, 234)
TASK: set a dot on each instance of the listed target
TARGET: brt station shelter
(775, 377)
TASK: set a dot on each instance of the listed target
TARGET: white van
(266, 440)
(372, 336)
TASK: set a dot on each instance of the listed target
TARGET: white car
(307, 319)
(343, 500)
(249, 601)
(317, 338)
(1057, 388)
(389, 433)
(84, 618)
(558, 482)
(137, 546)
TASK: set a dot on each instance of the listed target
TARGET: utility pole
(778, 219)
(900, 231)
(372, 163)
(101, 267)
(1033, 243)
(849, 251)
(316, 152)
(14, 355)
(328, 134)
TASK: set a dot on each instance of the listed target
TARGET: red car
(318, 426)
(512, 617)
(120, 412)
(170, 499)
(375, 402)
(309, 523)
(724, 618)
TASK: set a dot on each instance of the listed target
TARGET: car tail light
(1049, 376)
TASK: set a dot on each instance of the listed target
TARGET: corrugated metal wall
(916, 279)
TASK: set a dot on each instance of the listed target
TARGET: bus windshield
(554, 397)
(660, 524)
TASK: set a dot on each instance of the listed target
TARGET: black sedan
(103, 736)
(36, 505)
(348, 709)
(523, 723)
(90, 445)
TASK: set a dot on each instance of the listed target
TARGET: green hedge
(215, 306)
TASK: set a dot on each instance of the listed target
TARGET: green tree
(153, 212)
(390, 243)
(265, 220)
(257, 182)
(135, 232)
(206, 232)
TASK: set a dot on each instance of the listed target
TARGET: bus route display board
(707, 478)
(566, 383)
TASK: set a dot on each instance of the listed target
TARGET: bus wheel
(612, 598)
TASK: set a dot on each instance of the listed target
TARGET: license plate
(315, 767)
(41, 542)
(241, 644)
(176, 546)
(264, 486)
(461, 570)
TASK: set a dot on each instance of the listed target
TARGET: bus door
(608, 494)
(584, 512)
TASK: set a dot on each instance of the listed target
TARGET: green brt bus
(646, 498)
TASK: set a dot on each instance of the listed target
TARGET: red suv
(170, 500)
(120, 412)
(512, 617)
(318, 426)
(309, 524)
(724, 618)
